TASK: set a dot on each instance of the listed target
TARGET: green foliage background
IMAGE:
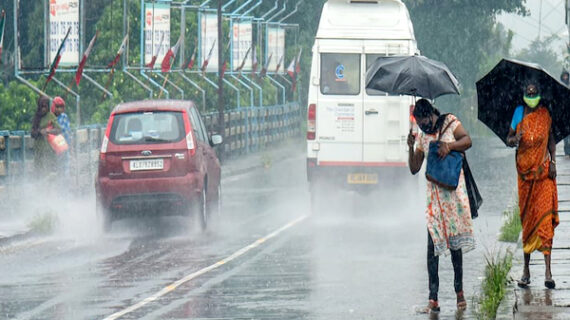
(464, 34)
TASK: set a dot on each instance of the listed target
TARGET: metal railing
(247, 130)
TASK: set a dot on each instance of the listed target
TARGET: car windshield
(147, 127)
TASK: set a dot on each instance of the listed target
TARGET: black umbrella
(501, 90)
(411, 75)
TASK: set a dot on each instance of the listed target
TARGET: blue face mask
(532, 102)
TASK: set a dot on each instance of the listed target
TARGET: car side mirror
(216, 139)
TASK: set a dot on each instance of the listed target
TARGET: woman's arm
(513, 138)
(415, 157)
(462, 142)
(552, 151)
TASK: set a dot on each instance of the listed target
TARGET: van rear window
(147, 127)
(340, 73)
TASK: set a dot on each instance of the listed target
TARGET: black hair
(43, 101)
(565, 73)
(424, 109)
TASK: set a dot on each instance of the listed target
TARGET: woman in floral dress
(449, 224)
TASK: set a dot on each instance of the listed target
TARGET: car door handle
(371, 111)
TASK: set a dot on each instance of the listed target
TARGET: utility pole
(567, 26)
(540, 20)
(221, 127)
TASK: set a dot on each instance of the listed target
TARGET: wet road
(266, 257)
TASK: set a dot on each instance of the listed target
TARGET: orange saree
(538, 198)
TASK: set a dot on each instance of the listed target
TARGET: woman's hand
(411, 140)
(513, 141)
(443, 150)
(552, 170)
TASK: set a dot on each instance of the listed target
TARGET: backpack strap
(445, 129)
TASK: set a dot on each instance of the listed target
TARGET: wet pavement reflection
(362, 257)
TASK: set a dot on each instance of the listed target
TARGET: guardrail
(246, 130)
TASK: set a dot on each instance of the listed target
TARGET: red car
(157, 159)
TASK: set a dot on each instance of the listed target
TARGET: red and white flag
(224, 68)
(170, 55)
(279, 64)
(242, 64)
(153, 60)
(205, 63)
(57, 58)
(2, 28)
(120, 52)
(192, 58)
(225, 64)
(291, 69)
(254, 61)
(263, 71)
(298, 62)
(79, 72)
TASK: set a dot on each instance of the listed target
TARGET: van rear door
(339, 104)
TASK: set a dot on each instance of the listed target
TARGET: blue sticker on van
(339, 72)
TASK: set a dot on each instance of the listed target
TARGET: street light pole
(221, 127)
(568, 27)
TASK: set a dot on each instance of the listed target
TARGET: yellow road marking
(171, 287)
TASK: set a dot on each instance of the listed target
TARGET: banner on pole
(157, 25)
(242, 36)
(64, 14)
(208, 41)
(275, 47)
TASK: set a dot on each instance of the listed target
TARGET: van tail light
(190, 144)
(312, 122)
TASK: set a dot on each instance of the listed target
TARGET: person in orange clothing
(531, 133)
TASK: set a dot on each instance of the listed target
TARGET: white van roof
(365, 19)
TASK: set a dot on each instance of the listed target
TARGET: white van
(357, 136)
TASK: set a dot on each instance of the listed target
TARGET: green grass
(511, 229)
(43, 223)
(494, 285)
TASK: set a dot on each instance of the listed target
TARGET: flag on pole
(79, 72)
(205, 63)
(57, 58)
(291, 73)
(153, 60)
(291, 69)
(2, 28)
(225, 64)
(192, 58)
(119, 52)
(263, 71)
(170, 55)
(254, 61)
(297, 63)
(242, 64)
(279, 64)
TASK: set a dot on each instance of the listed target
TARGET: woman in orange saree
(531, 133)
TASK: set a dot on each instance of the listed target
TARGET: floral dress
(448, 212)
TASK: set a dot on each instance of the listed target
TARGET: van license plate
(147, 164)
(362, 178)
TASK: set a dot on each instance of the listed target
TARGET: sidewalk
(13, 230)
(537, 302)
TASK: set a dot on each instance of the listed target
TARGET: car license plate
(147, 164)
(362, 178)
